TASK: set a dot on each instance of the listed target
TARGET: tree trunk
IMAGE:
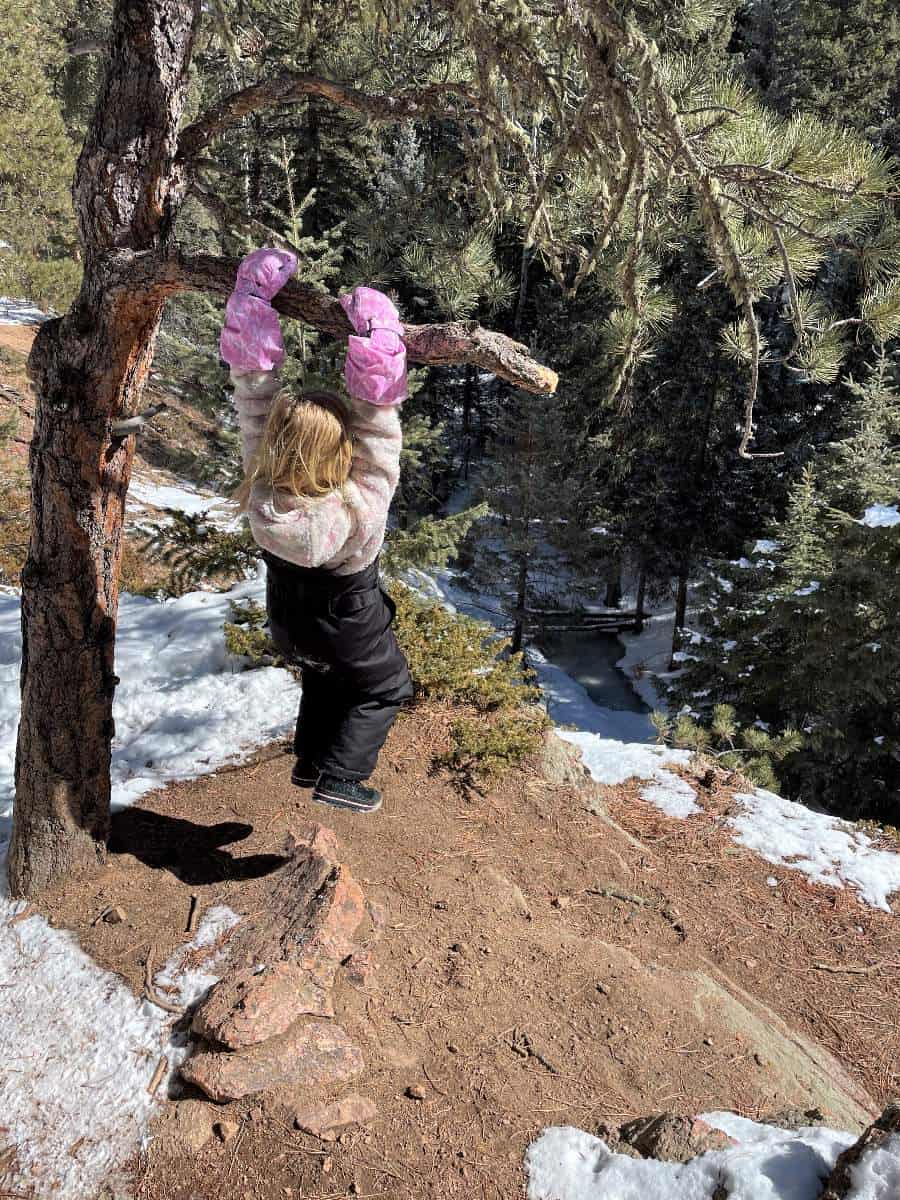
(613, 596)
(88, 368)
(639, 603)
(518, 637)
(468, 398)
(681, 592)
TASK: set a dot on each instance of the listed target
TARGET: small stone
(225, 1130)
(189, 1123)
(707, 1041)
(327, 1121)
(360, 968)
(256, 1114)
(561, 901)
(453, 1048)
(115, 916)
(440, 905)
(327, 1164)
(416, 1091)
(459, 948)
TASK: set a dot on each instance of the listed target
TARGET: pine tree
(802, 631)
(37, 160)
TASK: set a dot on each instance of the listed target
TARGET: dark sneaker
(346, 793)
(304, 774)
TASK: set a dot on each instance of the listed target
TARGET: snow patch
(672, 794)
(80, 1050)
(612, 762)
(824, 848)
(768, 1163)
(881, 516)
(180, 497)
(20, 312)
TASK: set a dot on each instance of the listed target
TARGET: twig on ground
(193, 913)
(28, 911)
(150, 992)
(614, 893)
(837, 968)
(161, 1068)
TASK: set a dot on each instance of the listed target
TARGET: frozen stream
(590, 658)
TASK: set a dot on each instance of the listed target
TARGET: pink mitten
(264, 272)
(369, 309)
(251, 337)
(375, 369)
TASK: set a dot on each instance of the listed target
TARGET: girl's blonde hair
(305, 449)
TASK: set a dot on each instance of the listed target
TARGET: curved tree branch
(291, 87)
(455, 342)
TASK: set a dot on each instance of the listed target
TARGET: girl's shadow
(191, 852)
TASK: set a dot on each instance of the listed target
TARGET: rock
(509, 896)
(249, 1005)
(794, 1117)
(189, 1124)
(312, 1055)
(671, 1138)
(840, 1183)
(115, 916)
(225, 1130)
(327, 1121)
(306, 933)
(416, 1091)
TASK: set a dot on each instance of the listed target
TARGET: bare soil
(520, 981)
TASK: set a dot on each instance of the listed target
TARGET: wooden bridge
(561, 620)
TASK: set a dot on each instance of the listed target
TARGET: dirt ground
(514, 989)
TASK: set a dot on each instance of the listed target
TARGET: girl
(318, 484)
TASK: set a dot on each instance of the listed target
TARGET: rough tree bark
(89, 368)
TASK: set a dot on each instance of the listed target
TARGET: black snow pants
(355, 678)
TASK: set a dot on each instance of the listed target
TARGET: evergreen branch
(796, 314)
(230, 219)
(455, 342)
(414, 103)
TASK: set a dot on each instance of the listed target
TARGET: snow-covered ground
(182, 497)
(80, 1050)
(19, 312)
(767, 1163)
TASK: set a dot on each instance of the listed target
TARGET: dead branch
(415, 103)
(86, 45)
(453, 343)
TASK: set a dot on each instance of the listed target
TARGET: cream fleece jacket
(343, 531)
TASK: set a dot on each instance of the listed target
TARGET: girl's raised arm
(375, 373)
(251, 341)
